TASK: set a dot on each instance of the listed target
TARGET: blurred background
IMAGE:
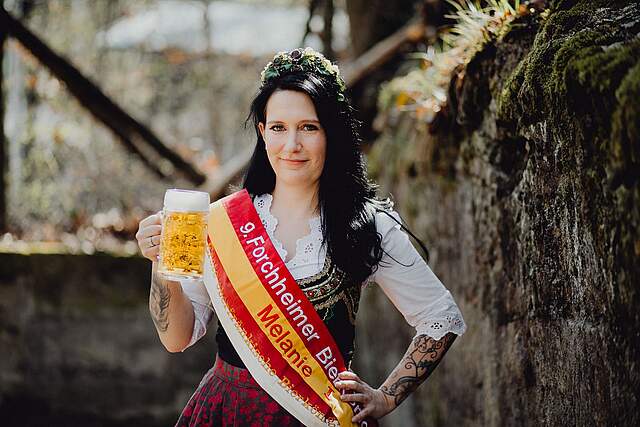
(506, 131)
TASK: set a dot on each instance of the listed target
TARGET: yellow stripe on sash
(248, 286)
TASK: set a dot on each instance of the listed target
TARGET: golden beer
(184, 228)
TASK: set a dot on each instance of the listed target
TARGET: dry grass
(423, 91)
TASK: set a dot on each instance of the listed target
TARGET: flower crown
(299, 60)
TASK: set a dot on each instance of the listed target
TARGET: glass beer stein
(184, 231)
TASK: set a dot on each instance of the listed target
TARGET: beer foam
(186, 200)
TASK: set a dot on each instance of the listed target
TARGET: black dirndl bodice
(334, 295)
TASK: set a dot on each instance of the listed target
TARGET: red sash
(272, 325)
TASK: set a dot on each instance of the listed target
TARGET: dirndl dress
(228, 396)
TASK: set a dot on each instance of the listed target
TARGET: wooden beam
(382, 52)
(135, 136)
(218, 184)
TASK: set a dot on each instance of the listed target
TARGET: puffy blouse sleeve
(197, 294)
(406, 279)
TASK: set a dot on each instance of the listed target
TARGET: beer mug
(184, 231)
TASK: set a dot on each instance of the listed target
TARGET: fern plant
(423, 90)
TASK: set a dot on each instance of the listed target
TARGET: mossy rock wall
(527, 193)
(78, 346)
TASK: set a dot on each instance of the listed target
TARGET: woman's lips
(293, 162)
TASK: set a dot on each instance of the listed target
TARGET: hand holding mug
(149, 236)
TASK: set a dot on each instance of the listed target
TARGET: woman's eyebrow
(303, 120)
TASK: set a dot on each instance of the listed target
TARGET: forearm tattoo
(159, 304)
(418, 363)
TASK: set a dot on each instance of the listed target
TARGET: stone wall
(79, 347)
(526, 190)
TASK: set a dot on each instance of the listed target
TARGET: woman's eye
(310, 127)
(277, 128)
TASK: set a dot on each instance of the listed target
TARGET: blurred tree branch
(313, 6)
(374, 20)
(135, 136)
(326, 35)
(382, 52)
(3, 141)
(218, 184)
(327, 31)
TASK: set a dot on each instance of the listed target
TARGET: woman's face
(294, 139)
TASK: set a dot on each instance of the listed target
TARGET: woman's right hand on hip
(148, 236)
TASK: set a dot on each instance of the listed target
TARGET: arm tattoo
(419, 362)
(159, 304)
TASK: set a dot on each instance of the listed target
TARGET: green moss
(560, 23)
(582, 78)
(584, 5)
(625, 126)
(574, 68)
(582, 56)
(525, 87)
(579, 77)
(509, 95)
(536, 79)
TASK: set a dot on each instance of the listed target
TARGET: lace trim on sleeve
(438, 327)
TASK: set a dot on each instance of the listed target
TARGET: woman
(310, 190)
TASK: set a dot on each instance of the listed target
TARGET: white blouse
(412, 288)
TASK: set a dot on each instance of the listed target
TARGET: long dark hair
(346, 196)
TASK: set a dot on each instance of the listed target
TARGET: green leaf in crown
(306, 59)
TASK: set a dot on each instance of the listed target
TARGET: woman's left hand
(374, 403)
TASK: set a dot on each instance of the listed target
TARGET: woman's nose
(292, 141)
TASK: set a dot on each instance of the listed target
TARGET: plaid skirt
(228, 396)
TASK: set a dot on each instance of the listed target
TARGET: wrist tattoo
(159, 304)
(419, 362)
